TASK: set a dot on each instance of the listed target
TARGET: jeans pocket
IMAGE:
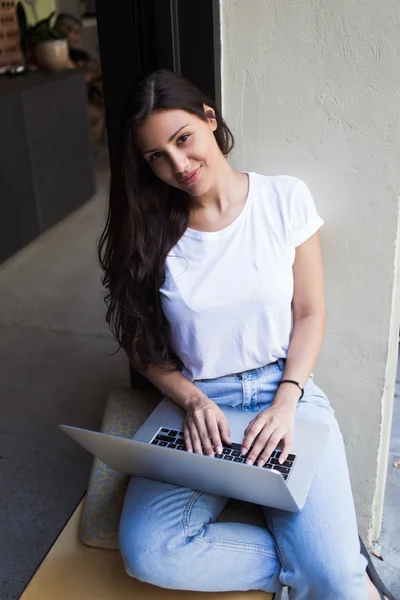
(221, 391)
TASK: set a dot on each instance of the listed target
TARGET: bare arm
(174, 385)
(276, 422)
(308, 319)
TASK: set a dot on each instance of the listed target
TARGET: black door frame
(139, 36)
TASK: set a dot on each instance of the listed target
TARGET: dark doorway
(139, 36)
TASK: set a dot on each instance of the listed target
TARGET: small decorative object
(48, 44)
(10, 51)
(52, 55)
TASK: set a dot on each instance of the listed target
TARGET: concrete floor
(56, 366)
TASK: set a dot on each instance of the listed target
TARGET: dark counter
(46, 164)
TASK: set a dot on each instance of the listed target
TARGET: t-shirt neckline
(202, 235)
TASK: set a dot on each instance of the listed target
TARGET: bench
(74, 571)
(84, 563)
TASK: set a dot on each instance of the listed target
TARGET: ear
(210, 114)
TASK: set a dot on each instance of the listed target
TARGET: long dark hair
(146, 218)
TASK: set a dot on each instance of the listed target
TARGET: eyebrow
(169, 140)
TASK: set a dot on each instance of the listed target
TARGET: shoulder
(286, 202)
(279, 195)
(282, 187)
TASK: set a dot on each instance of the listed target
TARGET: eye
(155, 155)
(183, 138)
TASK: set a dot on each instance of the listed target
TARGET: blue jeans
(169, 537)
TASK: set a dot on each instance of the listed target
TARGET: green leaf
(43, 31)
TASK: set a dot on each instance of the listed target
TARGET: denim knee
(339, 577)
(157, 566)
(149, 558)
(143, 566)
(137, 551)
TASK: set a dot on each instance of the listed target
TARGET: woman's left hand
(270, 426)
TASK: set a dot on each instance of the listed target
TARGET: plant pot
(52, 55)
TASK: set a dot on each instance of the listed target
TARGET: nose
(179, 162)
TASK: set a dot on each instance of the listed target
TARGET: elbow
(317, 315)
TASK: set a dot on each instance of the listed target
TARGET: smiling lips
(191, 178)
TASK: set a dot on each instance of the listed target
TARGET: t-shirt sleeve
(304, 218)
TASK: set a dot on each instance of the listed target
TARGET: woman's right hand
(205, 426)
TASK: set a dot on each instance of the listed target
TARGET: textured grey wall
(311, 89)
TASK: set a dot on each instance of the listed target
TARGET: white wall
(311, 89)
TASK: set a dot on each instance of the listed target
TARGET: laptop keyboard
(171, 438)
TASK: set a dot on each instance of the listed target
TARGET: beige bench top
(73, 571)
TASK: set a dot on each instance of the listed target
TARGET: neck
(225, 190)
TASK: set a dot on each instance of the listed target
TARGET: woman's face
(180, 149)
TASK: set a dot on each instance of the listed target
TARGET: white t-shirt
(227, 294)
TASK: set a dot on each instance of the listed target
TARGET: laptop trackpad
(238, 421)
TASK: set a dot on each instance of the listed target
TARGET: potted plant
(47, 44)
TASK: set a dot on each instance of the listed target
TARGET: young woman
(215, 292)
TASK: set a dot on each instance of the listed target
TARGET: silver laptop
(157, 451)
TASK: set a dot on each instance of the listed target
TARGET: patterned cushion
(125, 412)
